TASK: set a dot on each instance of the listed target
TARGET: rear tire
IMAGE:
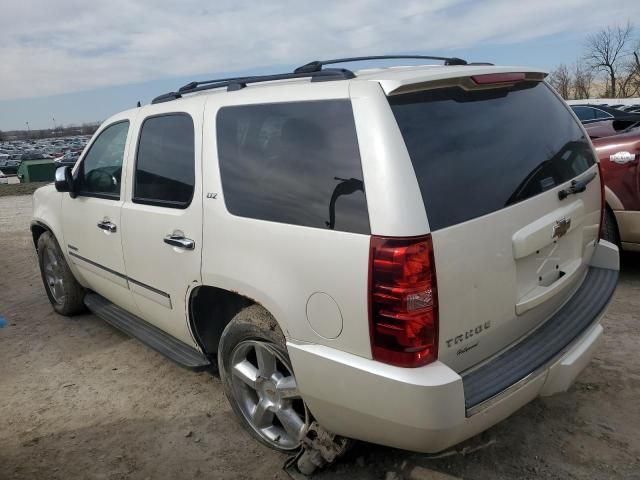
(259, 382)
(65, 293)
(610, 228)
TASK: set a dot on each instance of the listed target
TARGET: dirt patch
(78, 399)
(12, 189)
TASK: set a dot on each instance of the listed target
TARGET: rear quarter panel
(600, 129)
(278, 265)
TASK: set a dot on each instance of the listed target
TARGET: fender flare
(612, 199)
(39, 224)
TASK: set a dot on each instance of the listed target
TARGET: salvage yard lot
(79, 399)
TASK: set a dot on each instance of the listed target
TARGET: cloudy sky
(79, 60)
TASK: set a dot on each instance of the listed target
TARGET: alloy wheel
(53, 274)
(265, 389)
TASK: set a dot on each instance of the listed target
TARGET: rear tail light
(403, 301)
(602, 202)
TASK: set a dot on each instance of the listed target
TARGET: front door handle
(107, 226)
(180, 241)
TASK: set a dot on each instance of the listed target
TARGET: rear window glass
(295, 163)
(476, 152)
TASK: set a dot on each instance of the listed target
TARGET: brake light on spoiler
(491, 78)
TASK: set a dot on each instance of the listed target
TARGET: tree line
(609, 66)
(59, 131)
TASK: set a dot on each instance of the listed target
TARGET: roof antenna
(138, 105)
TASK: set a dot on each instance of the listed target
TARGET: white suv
(401, 255)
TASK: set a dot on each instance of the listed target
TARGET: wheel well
(37, 230)
(609, 210)
(210, 310)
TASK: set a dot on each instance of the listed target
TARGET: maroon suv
(619, 156)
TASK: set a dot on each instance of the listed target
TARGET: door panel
(162, 220)
(91, 248)
(91, 221)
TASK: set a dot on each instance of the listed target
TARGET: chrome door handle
(180, 242)
(108, 226)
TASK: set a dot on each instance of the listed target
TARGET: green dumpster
(36, 171)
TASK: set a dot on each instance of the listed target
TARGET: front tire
(259, 382)
(65, 293)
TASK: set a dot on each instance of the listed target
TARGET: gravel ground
(78, 399)
(13, 189)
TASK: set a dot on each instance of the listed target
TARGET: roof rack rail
(316, 66)
(237, 83)
(311, 70)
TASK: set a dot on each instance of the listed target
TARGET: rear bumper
(402, 409)
(535, 353)
(427, 409)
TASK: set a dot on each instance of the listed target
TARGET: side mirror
(64, 181)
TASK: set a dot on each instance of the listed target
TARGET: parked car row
(634, 107)
(596, 113)
(615, 133)
(63, 151)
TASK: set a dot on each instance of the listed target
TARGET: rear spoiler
(415, 80)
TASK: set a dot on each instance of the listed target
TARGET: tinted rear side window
(584, 113)
(475, 152)
(294, 163)
(602, 114)
(165, 170)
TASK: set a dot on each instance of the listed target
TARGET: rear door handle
(108, 226)
(180, 242)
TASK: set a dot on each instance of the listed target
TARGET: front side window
(295, 163)
(165, 166)
(101, 169)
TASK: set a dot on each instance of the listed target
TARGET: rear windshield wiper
(577, 186)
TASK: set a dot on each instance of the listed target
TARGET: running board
(153, 337)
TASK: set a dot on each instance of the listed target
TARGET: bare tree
(582, 81)
(628, 81)
(633, 68)
(560, 79)
(607, 50)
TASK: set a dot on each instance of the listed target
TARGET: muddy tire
(258, 380)
(610, 228)
(65, 293)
